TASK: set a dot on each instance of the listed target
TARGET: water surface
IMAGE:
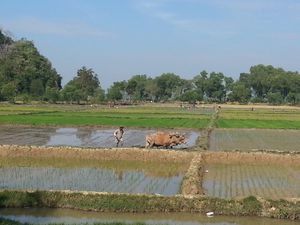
(68, 216)
(87, 179)
(82, 137)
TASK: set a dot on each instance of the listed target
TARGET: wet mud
(82, 137)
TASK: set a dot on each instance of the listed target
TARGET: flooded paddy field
(103, 170)
(236, 175)
(87, 179)
(254, 139)
(82, 136)
(67, 216)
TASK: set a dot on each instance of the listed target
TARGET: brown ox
(163, 139)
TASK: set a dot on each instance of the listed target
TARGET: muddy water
(81, 137)
(67, 216)
(87, 179)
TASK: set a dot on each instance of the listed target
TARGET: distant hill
(25, 74)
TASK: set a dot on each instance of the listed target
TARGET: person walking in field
(118, 134)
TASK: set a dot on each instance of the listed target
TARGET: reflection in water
(87, 179)
(67, 216)
(25, 136)
(63, 136)
(81, 137)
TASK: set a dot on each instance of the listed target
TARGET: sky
(122, 38)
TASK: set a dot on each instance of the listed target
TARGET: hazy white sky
(122, 38)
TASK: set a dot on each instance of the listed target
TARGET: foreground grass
(148, 203)
(148, 117)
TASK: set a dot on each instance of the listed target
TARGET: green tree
(83, 87)
(37, 88)
(240, 93)
(151, 89)
(51, 95)
(136, 87)
(167, 84)
(116, 91)
(30, 72)
(8, 91)
(274, 98)
(215, 89)
(190, 96)
(200, 82)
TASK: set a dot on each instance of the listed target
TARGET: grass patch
(258, 123)
(144, 203)
(251, 205)
(130, 117)
(272, 118)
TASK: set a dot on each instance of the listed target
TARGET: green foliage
(36, 88)
(23, 70)
(240, 93)
(272, 85)
(8, 91)
(167, 84)
(116, 91)
(190, 96)
(83, 87)
(275, 98)
(251, 206)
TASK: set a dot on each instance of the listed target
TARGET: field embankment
(145, 203)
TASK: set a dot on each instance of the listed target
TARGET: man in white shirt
(119, 135)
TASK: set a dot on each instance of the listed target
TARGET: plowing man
(118, 134)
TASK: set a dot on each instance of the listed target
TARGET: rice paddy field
(259, 117)
(255, 139)
(252, 152)
(123, 171)
(139, 116)
(96, 137)
(236, 175)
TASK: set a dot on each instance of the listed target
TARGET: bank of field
(255, 139)
(118, 171)
(136, 116)
(237, 175)
(272, 118)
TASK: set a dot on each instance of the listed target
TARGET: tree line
(26, 75)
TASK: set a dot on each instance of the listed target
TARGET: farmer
(119, 135)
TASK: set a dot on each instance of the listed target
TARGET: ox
(163, 139)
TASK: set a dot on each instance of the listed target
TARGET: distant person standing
(119, 135)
